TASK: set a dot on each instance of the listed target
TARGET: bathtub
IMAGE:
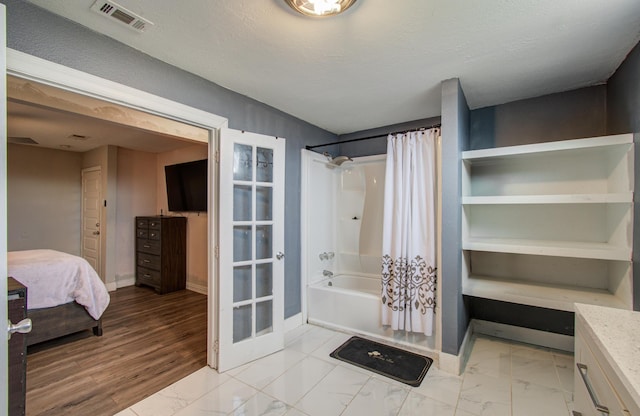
(352, 304)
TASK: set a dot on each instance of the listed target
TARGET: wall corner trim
(454, 364)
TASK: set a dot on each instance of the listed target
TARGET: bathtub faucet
(327, 255)
(327, 273)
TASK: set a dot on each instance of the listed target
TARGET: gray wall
(561, 116)
(378, 145)
(455, 140)
(37, 32)
(623, 96)
(623, 106)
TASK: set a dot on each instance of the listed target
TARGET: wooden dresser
(161, 251)
(17, 311)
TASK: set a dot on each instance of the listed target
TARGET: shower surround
(342, 215)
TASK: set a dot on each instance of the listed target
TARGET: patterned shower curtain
(409, 232)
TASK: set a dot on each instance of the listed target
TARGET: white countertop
(617, 333)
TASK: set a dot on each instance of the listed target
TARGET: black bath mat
(400, 365)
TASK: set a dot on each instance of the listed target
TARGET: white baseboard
(197, 288)
(130, 280)
(526, 335)
(454, 364)
(125, 281)
(293, 322)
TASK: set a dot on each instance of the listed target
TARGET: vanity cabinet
(606, 369)
(550, 224)
(161, 246)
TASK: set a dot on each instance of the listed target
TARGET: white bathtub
(352, 304)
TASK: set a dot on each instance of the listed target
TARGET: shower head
(337, 161)
(340, 160)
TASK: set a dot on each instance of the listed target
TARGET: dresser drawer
(149, 261)
(142, 223)
(148, 234)
(149, 246)
(148, 276)
(154, 224)
(154, 234)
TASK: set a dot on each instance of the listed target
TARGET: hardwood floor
(149, 342)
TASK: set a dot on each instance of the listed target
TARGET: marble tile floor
(500, 378)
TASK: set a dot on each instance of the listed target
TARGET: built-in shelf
(615, 198)
(551, 296)
(539, 149)
(550, 224)
(574, 249)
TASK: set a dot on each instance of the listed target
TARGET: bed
(64, 294)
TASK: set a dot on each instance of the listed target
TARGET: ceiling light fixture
(320, 8)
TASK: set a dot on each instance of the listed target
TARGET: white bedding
(54, 278)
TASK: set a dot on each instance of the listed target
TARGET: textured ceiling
(381, 62)
(61, 130)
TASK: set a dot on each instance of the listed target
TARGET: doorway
(90, 246)
(65, 79)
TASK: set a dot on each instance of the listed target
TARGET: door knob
(279, 255)
(23, 327)
(96, 233)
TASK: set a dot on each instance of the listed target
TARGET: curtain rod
(373, 137)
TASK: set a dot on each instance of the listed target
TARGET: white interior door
(91, 224)
(251, 244)
(4, 374)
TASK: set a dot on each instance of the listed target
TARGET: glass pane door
(252, 241)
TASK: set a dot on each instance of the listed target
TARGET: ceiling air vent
(21, 140)
(115, 11)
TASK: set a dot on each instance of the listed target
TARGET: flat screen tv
(187, 186)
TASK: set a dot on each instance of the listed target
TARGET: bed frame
(50, 323)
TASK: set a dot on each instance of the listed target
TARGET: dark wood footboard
(50, 323)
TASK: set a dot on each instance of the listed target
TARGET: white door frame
(22, 65)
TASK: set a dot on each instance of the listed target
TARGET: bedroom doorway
(91, 247)
(65, 79)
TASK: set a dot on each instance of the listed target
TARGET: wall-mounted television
(187, 186)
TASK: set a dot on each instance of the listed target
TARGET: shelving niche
(550, 224)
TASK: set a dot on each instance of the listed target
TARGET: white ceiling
(381, 62)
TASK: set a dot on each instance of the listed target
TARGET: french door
(251, 244)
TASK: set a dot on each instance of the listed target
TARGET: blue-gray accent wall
(562, 116)
(378, 145)
(455, 140)
(38, 32)
(623, 116)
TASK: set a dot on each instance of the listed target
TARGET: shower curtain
(409, 232)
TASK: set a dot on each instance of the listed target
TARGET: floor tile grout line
(511, 407)
(156, 394)
(318, 382)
